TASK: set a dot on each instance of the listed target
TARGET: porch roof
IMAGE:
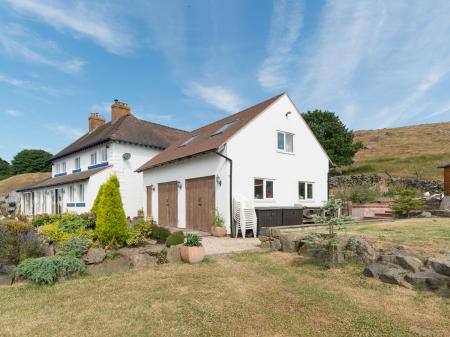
(62, 180)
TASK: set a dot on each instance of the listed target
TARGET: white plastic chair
(245, 216)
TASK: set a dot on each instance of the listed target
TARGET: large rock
(141, 261)
(440, 266)
(290, 242)
(395, 276)
(94, 256)
(410, 263)
(362, 248)
(275, 244)
(430, 279)
(173, 253)
(376, 269)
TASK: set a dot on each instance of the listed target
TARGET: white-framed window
(57, 168)
(77, 163)
(81, 192)
(285, 141)
(104, 154)
(64, 166)
(305, 190)
(263, 189)
(93, 158)
(44, 202)
(71, 193)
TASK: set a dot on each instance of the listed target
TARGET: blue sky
(186, 63)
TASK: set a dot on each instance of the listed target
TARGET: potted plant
(192, 251)
(218, 224)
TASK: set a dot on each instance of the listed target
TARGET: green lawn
(254, 294)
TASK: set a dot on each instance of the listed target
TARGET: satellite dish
(126, 156)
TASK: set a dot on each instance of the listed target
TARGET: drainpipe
(232, 228)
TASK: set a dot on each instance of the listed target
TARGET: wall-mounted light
(153, 188)
(288, 113)
(218, 181)
(180, 186)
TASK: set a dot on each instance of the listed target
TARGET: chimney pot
(95, 120)
(119, 109)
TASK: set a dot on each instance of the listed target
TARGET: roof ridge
(159, 124)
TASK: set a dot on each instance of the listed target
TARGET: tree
(111, 224)
(28, 161)
(4, 168)
(406, 201)
(333, 135)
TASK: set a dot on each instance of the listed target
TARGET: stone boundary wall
(432, 186)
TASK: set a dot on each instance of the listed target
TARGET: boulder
(264, 244)
(395, 276)
(94, 256)
(430, 279)
(376, 269)
(425, 215)
(142, 260)
(275, 244)
(173, 253)
(290, 242)
(410, 263)
(154, 249)
(440, 266)
(362, 248)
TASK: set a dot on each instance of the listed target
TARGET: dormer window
(77, 163)
(64, 166)
(58, 168)
(190, 140)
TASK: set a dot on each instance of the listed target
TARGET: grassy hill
(22, 180)
(414, 150)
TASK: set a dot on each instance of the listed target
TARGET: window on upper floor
(104, 154)
(57, 168)
(77, 163)
(285, 141)
(263, 189)
(93, 158)
(305, 190)
(64, 166)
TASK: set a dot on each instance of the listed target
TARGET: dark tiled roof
(206, 138)
(127, 129)
(62, 180)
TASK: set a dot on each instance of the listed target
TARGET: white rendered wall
(202, 166)
(255, 155)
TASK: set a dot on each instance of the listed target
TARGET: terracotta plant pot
(192, 254)
(218, 231)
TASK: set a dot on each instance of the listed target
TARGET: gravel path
(227, 245)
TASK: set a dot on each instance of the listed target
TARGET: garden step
(383, 215)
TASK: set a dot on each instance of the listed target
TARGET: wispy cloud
(155, 117)
(103, 108)
(96, 21)
(12, 113)
(286, 23)
(220, 97)
(17, 41)
(66, 131)
(23, 84)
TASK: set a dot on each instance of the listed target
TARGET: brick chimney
(95, 120)
(119, 109)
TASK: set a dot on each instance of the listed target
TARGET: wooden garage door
(168, 204)
(200, 203)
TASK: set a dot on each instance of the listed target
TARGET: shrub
(218, 220)
(111, 226)
(16, 227)
(145, 227)
(364, 193)
(160, 234)
(54, 233)
(90, 218)
(42, 219)
(17, 245)
(47, 270)
(174, 239)
(406, 202)
(72, 223)
(75, 246)
(193, 240)
(135, 237)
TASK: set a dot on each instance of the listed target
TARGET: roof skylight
(187, 141)
(224, 127)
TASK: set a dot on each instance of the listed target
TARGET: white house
(266, 153)
(117, 147)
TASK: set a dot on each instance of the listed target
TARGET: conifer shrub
(76, 246)
(176, 238)
(160, 234)
(42, 219)
(111, 224)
